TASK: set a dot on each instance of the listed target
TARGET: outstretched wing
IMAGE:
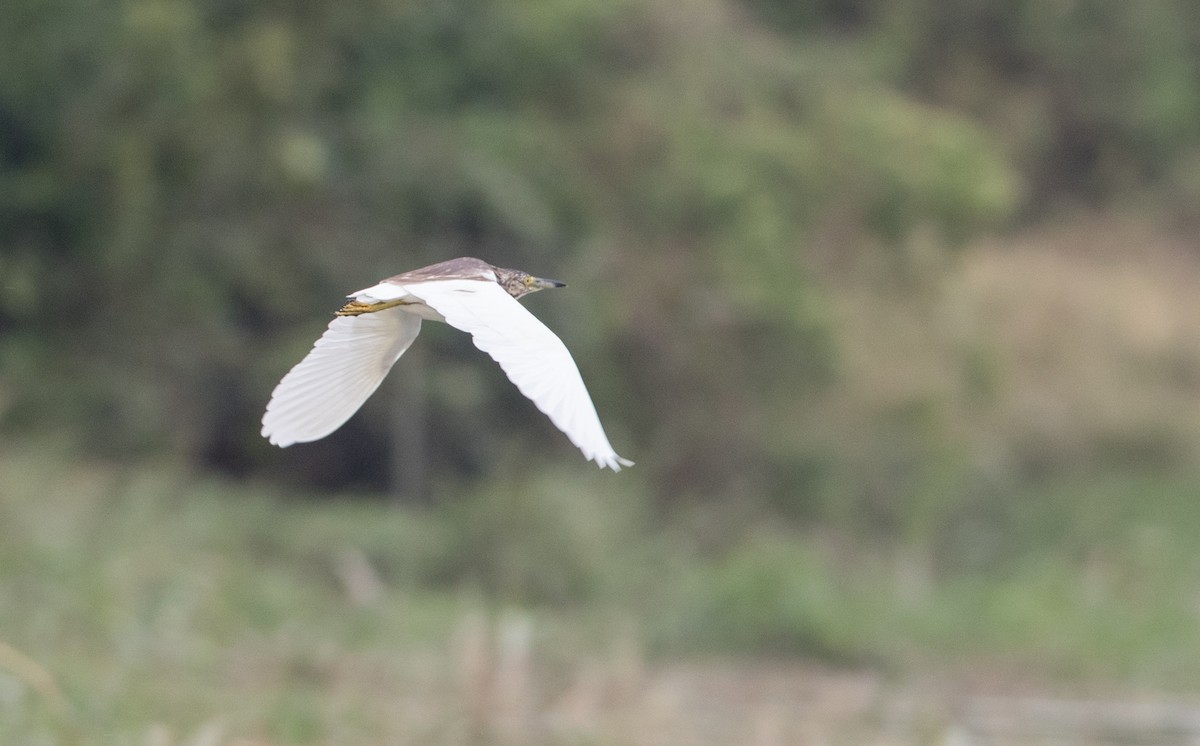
(534, 359)
(344, 367)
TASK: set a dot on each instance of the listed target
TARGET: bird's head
(519, 283)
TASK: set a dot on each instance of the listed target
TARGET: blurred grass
(1095, 580)
(162, 603)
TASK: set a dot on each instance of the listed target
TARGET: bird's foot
(357, 307)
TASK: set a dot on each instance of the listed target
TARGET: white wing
(379, 293)
(344, 367)
(534, 359)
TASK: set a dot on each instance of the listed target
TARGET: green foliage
(772, 594)
(237, 167)
(932, 167)
(859, 437)
(760, 207)
(1095, 98)
(152, 600)
(544, 539)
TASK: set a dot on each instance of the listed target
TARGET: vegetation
(892, 302)
(207, 182)
(148, 606)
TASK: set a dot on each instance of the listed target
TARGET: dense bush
(189, 186)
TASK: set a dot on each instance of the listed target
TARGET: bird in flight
(377, 325)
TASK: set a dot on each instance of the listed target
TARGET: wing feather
(342, 370)
(533, 358)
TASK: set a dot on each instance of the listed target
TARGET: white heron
(374, 329)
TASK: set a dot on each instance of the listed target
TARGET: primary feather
(342, 370)
(533, 358)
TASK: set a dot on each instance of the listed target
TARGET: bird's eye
(528, 280)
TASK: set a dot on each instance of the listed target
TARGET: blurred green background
(892, 302)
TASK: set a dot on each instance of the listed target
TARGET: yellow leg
(357, 308)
